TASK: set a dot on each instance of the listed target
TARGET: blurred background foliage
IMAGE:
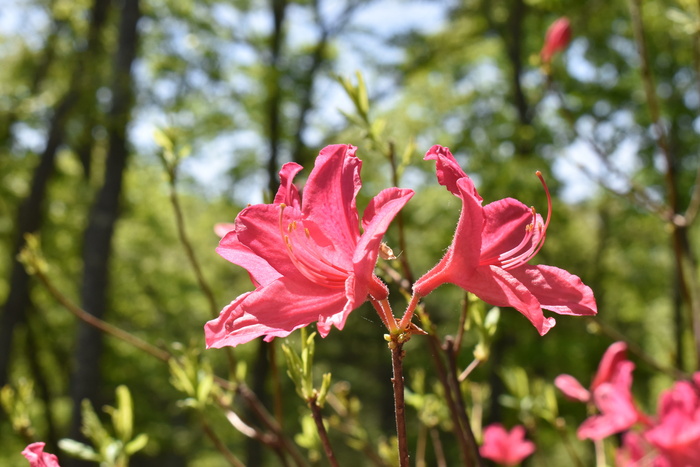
(238, 88)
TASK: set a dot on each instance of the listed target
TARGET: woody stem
(397, 354)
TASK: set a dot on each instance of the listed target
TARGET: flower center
(307, 257)
(532, 241)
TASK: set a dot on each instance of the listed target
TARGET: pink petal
(498, 287)
(618, 412)
(222, 228)
(505, 225)
(379, 213)
(557, 290)
(256, 244)
(449, 172)
(276, 310)
(572, 388)
(329, 195)
(36, 456)
(287, 193)
(556, 39)
(503, 447)
(610, 364)
(462, 257)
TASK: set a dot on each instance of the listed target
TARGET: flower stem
(322, 433)
(397, 354)
(408, 315)
(384, 311)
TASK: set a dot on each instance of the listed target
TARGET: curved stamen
(511, 258)
(334, 278)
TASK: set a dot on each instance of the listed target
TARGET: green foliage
(108, 450)
(216, 99)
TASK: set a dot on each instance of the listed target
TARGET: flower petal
(505, 225)
(462, 257)
(329, 195)
(557, 290)
(449, 172)
(36, 456)
(379, 213)
(572, 388)
(287, 193)
(609, 364)
(257, 245)
(498, 287)
(275, 310)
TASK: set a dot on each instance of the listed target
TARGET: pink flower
(608, 367)
(38, 458)
(307, 259)
(556, 39)
(634, 452)
(617, 410)
(504, 447)
(490, 250)
(677, 433)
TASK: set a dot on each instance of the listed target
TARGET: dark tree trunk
(103, 216)
(30, 217)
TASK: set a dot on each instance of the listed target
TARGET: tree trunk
(30, 217)
(86, 377)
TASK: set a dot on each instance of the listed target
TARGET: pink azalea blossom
(505, 448)
(617, 409)
(608, 367)
(556, 39)
(676, 434)
(38, 458)
(634, 452)
(490, 251)
(307, 258)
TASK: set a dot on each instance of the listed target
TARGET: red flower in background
(556, 39)
(490, 250)
(610, 391)
(676, 434)
(307, 258)
(505, 448)
(608, 367)
(38, 458)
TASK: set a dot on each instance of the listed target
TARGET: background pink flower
(38, 458)
(556, 39)
(609, 366)
(507, 448)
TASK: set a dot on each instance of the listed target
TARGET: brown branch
(99, 324)
(397, 355)
(322, 433)
(220, 446)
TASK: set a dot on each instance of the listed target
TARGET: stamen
(511, 258)
(303, 259)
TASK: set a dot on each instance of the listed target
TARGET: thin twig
(322, 433)
(103, 326)
(397, 355)
(459, 401)
(220, 446)
(189, 250)
(462, 441)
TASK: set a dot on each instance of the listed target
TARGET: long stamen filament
(512, 258)
(328, 278)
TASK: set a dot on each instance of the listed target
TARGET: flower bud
(557, 38)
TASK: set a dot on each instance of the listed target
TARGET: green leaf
(79, 450)
(136, 444)
(123, 416)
